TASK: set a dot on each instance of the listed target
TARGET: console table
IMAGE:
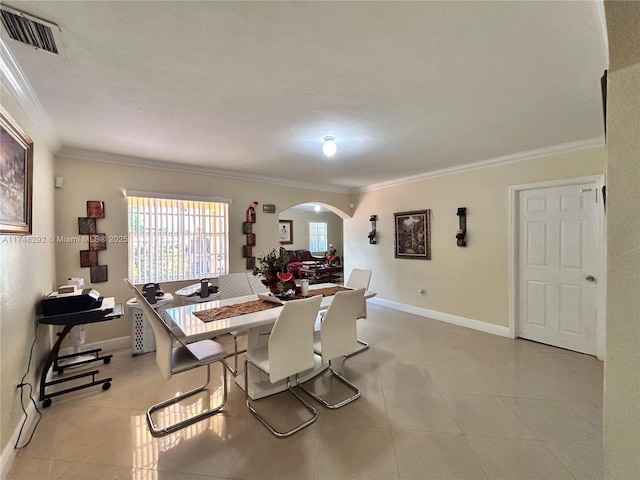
(70, 320)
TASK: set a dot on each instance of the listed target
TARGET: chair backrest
(255, 282)
(234, 285)
(291, 339)
(338, 334)
(161, 331)
(360, 279)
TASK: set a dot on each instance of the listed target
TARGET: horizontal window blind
(173, 240)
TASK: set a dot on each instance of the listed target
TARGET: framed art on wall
(99, 274)
(97, 241)
(88, 258)
(285, 232)
(95, 209)
(413, 234)
(16, 166)
(86, 225)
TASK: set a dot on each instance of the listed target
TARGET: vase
(280, 288)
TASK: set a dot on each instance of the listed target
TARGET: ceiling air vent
(30, 30)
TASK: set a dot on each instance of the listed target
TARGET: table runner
(228, 311)
(327, 292)
(252, 306)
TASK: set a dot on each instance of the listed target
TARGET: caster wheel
(107, 360)
(106, 386)
(46, 403)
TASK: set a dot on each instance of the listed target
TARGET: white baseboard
(445, 317)
(106, 345)
(9, 452)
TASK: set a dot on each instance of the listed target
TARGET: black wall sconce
(462, 231)
(372, 233)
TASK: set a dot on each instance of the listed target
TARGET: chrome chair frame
(294, 323)
(263, 420)
(157, 431)
(338, 338)
(234, 370)
(341, 403)
(172, 360)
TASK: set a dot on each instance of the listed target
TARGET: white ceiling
(251, 88)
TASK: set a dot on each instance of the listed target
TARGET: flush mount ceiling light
(329, 146)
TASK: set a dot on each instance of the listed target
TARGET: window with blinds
(172, 240)
(317, 236)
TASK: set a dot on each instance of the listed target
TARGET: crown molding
(90, 155)
(19, 87)
(493, 162)
(94, 156)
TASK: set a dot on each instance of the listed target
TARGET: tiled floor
(438, 402)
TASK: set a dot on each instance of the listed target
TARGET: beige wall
(301, 229)
(93, 180)
(622, 366)
(471, 282)
(26, 274)
(484, 192)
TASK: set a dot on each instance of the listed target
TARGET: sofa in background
(296, 257)
(303, 256)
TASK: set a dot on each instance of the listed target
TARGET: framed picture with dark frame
(88, 258)
(251, 239)
(285, 232)
(95, 209)
(16, 188)
(413, 234)
(99, 274)
(97, 241)
(86, 225)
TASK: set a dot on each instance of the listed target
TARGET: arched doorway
(315, 227)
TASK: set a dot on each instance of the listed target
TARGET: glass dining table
(187, 324)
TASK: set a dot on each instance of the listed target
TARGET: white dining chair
(289, 352)
(173, 356)
(255, 282)
(359, 278)
(338, 338)
(233, 285)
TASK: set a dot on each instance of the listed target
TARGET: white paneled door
(559, 260)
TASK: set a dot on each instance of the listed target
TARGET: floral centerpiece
(273, 268)
(331, 255)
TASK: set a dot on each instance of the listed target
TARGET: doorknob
(591, 278)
